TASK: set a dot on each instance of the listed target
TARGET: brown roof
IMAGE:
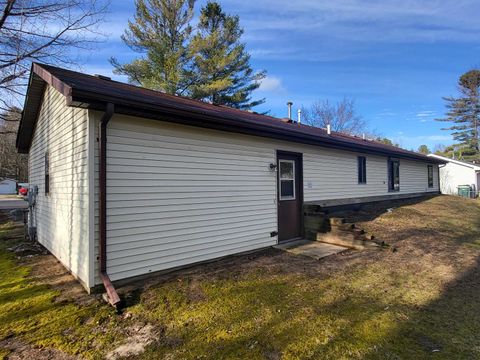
(93, 92)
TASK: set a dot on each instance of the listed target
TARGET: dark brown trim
(187, 117)
(428, 176)
(90, 92)
(391, 183)
(30, 113)
(361, 170)
(113, 297)
(59, 85)
(300, 196)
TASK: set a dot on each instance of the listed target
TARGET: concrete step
(313, 249)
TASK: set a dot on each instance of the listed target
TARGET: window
(362, 169)
(430, 175)
(286, 175)
(393, 175)
(47, 174)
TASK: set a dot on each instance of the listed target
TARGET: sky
(396, 59)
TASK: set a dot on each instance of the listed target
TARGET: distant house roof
(93, 92)
(473, 166)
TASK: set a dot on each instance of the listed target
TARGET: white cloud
(426, 113)
(319, 29)
(271, 84)
(387, 20)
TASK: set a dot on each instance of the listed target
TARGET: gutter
(214, 121)
(113, 297)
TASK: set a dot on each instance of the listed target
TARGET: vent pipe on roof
(103, 77)
(329, 130)
(299, 116)
(289, 104)
(363, 136)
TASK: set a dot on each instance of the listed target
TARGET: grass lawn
(36, 320)
(418, 299)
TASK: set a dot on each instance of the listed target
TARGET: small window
(286, 175)
(47, 174)
(362, 169)
(393, 175)
(430, 175)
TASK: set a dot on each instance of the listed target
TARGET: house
(456, 173)
(8, 187)
(132, 181)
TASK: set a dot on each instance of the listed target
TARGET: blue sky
(395, 58)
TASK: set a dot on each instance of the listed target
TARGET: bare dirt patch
(138, 337)
(18, 350)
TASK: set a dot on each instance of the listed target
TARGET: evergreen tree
(161, 31)
(386, 141)
(221, 71)
(423, 149)
(464, 113)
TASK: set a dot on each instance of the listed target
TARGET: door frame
(390, 180)
(299, 196)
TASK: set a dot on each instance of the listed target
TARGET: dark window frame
(47, 174)
(393, 181)
(430, 176)
(362, 170)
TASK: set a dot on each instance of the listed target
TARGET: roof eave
(177, 115)
(90, 99)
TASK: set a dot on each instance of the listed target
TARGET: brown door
(290, 195)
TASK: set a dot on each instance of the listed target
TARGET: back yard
(419, 298)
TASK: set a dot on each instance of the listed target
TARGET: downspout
(113, 297)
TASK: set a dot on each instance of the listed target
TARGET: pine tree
(161, 31)
(221, 71)
(464, 113)
(423, 149)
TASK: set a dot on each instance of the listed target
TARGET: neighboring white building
(133, 181)
(8, 187)
(455, 173)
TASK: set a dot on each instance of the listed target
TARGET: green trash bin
(464, 191)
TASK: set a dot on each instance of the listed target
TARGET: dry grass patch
(416, 302)
(420, 301)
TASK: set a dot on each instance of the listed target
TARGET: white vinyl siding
(62, 215)
(332, 174)
(452, 175)
(178, 194)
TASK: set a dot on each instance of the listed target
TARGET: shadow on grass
(385, 306)
(446, 328)
(272, 318)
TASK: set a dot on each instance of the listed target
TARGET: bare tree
(44, 31)
(12, 164)
(341, 116)
(439, 149)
